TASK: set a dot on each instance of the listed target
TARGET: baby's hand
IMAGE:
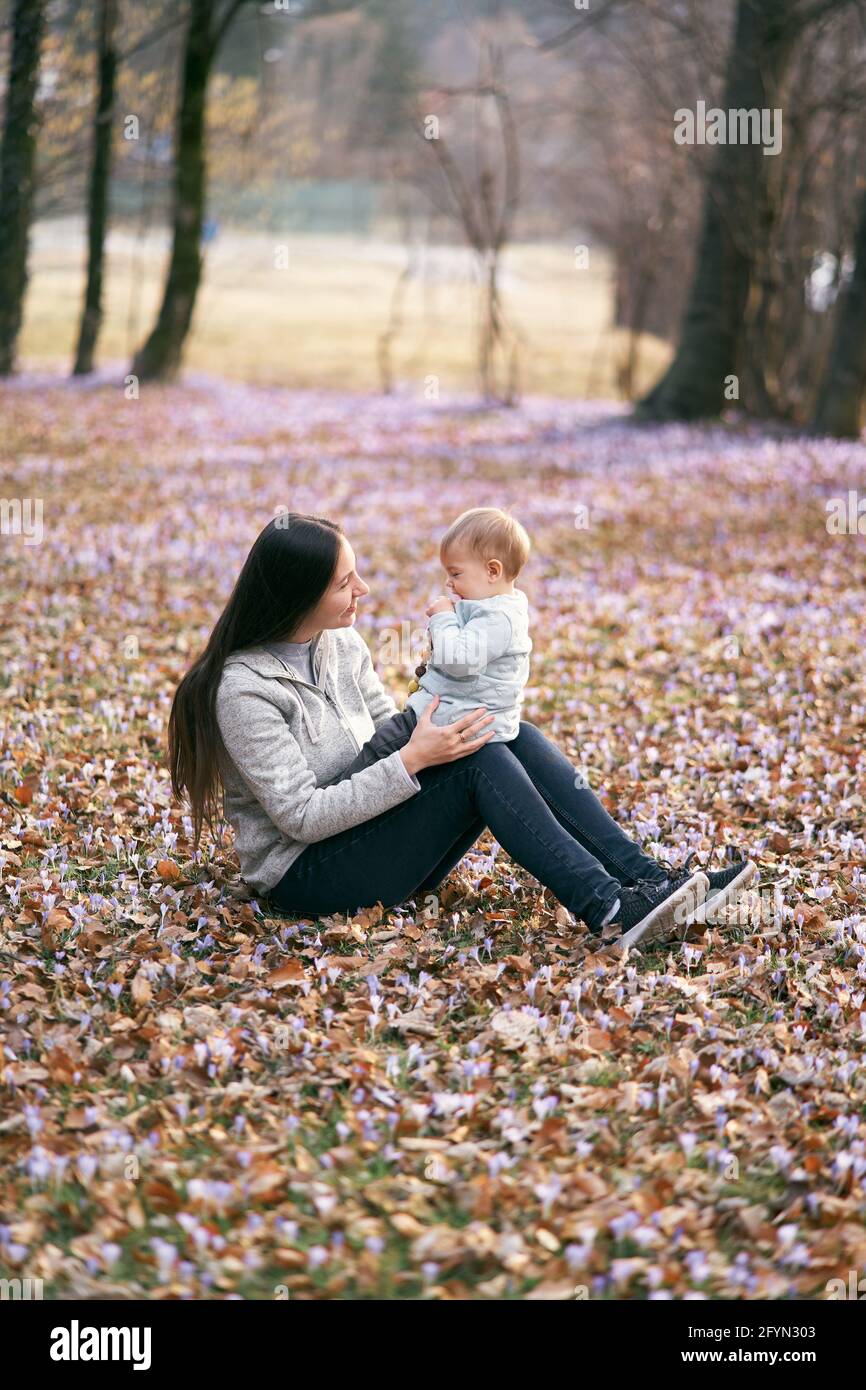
(440, 605)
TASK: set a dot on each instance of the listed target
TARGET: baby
(479, 638)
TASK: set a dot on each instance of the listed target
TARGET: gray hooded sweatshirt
(289, 740)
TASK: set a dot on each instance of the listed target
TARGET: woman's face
(338, 605)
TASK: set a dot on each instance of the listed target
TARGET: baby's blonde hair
(493, 535)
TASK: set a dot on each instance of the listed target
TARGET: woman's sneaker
(655, 912)
(737, 875)
(725, 887)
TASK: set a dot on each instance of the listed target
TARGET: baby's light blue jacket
(480, 657)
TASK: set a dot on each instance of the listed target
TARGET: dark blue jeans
(523, 791)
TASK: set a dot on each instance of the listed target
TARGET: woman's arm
(269, 760)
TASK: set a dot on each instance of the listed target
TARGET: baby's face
(467, 576)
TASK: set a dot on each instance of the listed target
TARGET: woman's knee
(529, 736)
(528, 731)
(491, 755)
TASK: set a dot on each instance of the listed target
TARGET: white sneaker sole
(663, 921)
(718, 898)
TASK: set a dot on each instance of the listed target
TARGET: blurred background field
(396, 195)
(319, 321)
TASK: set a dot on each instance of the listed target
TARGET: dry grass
(318, 322)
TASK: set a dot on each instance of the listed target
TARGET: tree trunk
(841, 408)
(159, 358)
(737, 206)
(97, 217)
(17, 159)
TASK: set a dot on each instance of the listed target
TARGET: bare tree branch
(222, 25)
(823, 9)
(177, 22)
(591, 19)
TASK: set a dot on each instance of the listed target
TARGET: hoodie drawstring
(314, 734)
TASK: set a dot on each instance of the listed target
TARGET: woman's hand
(432, 744)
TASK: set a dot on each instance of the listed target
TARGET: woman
(277, 709)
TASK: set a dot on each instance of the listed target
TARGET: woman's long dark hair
(287, 571)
